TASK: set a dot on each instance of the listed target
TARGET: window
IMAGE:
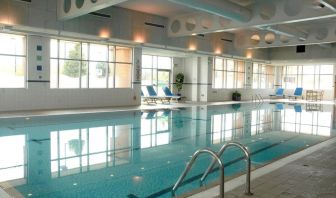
(308, 77)
(12, 61)
(263, 76)
(89, 65)
(156, 71)
(228, 73)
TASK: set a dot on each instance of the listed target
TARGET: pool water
(142, 153)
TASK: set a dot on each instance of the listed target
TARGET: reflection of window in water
(155, 129)
(261, 121)
(81, 150)
(226, 127)
(13, 159)
(314, 122)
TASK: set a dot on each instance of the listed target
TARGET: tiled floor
(313, 176)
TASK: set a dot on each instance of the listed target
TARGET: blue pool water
(142, 153)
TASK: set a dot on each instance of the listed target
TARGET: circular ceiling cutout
(267, 10)
(94, 1)
(79, 3)
(224, 22)
(293, 7)
(190, 24)
(255, 39)
(321, 33)
(284, 39)
(175, 26)
(269, 38)
(66, 6)
(206, 23)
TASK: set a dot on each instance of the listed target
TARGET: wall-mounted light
(218, 51)
(249, 54)
(104, 33)
(192, 47)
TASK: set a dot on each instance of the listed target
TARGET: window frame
(225, 71)
(87, 60)
(25, 56)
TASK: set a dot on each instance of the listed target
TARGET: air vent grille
(100, 14)
(154, 25)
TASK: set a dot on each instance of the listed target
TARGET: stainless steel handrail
(191, 162)
(257, 97)
(248, 164)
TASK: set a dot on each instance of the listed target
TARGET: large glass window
(12, 61)
(89, 65)
(263, 76)
(156, 71)
(228, 73)
(308, 77)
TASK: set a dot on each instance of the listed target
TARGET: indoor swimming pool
(142, 153)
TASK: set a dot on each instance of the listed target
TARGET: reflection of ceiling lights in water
(111, 175)
(29, 195)
(137, 179)
(75, 184)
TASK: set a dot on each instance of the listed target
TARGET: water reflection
(306, 121)
(81, 150)
(155, 128)
(136, 142)
(13, 158)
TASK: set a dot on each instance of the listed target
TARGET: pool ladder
(216, 158)
(257, 98)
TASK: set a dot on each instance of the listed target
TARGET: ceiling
(275, 23)
(303, 25)
(157, 7)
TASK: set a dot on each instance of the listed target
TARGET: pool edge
(238, 181)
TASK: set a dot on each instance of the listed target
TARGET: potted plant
(236, 96)
(179, 82)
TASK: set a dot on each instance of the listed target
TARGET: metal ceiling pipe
(331, 4)
(284, 30)
(220, 8)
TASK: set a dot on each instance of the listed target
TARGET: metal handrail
(191, 162)
(248, 164)
(258, 97)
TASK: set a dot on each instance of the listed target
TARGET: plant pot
(236, 98)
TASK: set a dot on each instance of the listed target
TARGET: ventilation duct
(283, 30)
(220, 8)
(331, 4)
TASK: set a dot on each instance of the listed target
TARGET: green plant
(76, 146)
(236, 94)
(72, 68)
(179, 82)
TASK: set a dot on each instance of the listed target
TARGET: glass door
(163, 79)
